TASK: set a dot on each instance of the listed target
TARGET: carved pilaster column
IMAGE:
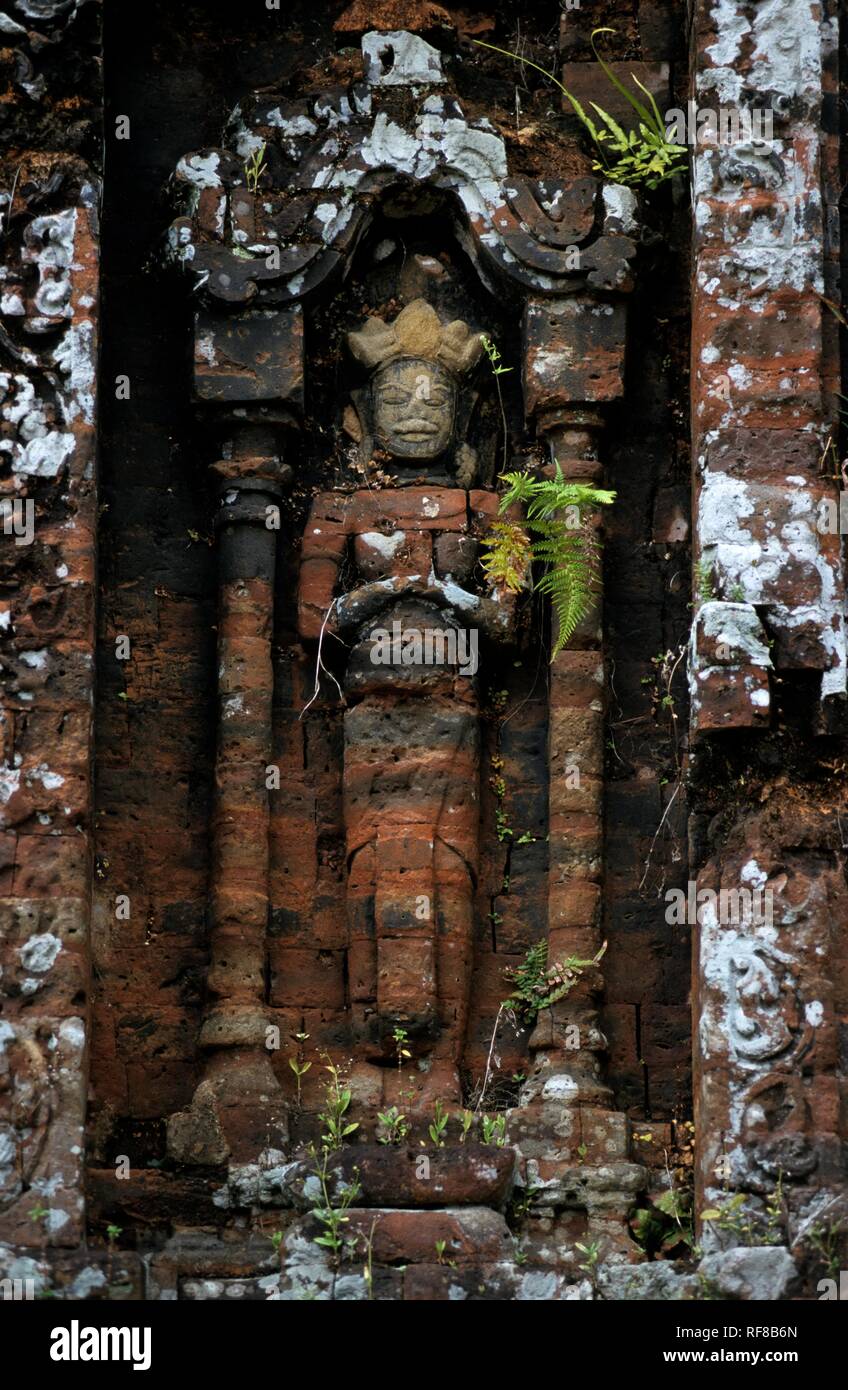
(575, 1143)
(237, 1109)
(575, 760)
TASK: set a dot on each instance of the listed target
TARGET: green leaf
(672, 1203)
(508, 560)
(612, 124)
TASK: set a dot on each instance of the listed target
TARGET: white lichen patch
(38, 954)
(201, 169)
(737, 627)
(10, 781)
(400, 59)
(621, 206)
(387, 546)
(50, 781)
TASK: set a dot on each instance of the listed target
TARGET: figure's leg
(404, 921)
(454, 948)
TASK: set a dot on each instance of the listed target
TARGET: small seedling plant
(441, 1247)
(254, 169)
(439, 1126)
(591, 1253)
(337, 1098)
(392, 1126)
(299, 1066)
(466, 1120)
(400, 1038)
(498, 370)
(331, 1210)
(493, 1128)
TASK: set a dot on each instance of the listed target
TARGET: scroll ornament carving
(325, 159)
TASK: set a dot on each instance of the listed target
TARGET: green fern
(644, 156)
(557, 539)
(536, 985)
(510, 557)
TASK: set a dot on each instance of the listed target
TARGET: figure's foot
(236, 1112)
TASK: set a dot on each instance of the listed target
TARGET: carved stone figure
(413, 620)
(388, 916)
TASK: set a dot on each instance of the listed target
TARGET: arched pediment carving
(330, 159)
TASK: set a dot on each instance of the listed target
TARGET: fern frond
(509, 559)
(560, 538)
(520, 488)
(569, 582)
(538, 985)
(612, 124)
(657, 124)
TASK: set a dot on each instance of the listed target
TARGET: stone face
(414, 405)
(409, 409)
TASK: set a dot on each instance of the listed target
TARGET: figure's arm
(323, 550)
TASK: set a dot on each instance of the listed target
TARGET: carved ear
(360, 427)
(466, 463)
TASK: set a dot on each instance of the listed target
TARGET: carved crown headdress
(417, 332)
